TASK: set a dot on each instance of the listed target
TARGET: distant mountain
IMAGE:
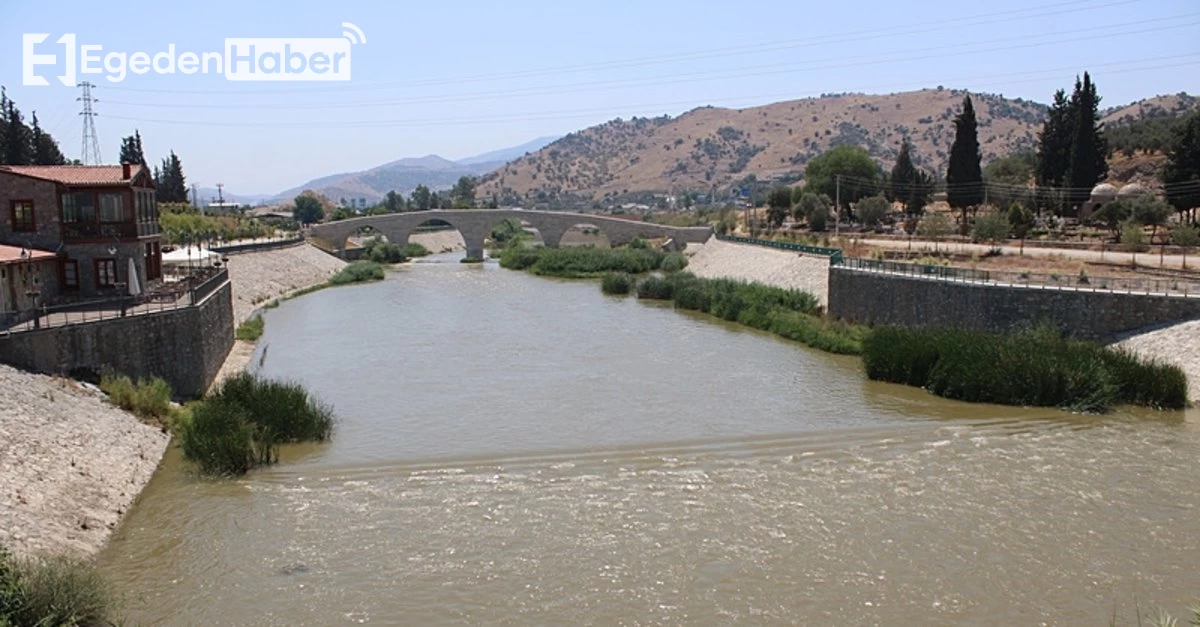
(508, 154)
(206, 194)
(404, 175)
(711, 147)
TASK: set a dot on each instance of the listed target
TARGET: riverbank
(70, 464)
(757, 264)
(1177, 345)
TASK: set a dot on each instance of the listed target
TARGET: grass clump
(251, 329)
(58, 591)
(792, 314)
(241, 425)
(616, 283)
(413, 250)
(674, 262)
(580, 262)
(149, 399)
(1037, 368)
(358, 272)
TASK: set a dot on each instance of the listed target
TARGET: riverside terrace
(475, 225)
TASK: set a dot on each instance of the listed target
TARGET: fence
(186, 293)
(252, 246)
(1182, 286)
(834, 254)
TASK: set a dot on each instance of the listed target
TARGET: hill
(711, 147)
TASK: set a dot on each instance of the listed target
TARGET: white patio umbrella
(135, 286)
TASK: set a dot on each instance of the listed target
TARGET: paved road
(1144, 259)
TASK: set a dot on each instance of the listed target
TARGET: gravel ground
(716, 259)
(258, 277)
(70, 464)
(1178, 344)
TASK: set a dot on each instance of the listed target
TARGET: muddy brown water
(515, 450)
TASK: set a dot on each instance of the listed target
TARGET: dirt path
(70, 464)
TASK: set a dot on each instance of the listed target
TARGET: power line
(90, 151)
(917, 54)
(841, 37)
(574, 113)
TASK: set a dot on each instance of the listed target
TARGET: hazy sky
(459, 78)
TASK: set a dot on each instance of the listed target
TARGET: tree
(1113, 215)
(779, 205)
(1186, 238)
(169, 181)
(813, 208)
(435, 201)
(1151, 212)
(307, 209)
(902, 175)
(992, 228)
(1181, 176)
(1133, 239)
(421, 198)
(934, 226)
(873, 209)
(858, 173)
(1021, 219)
(964, 177)
(1007, 179)
(45, 149)
(131, 149)
(462, 195)
(393, 202)
(1054, 145)
(1089, 151)
(15, 148)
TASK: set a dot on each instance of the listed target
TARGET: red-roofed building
(91, 219)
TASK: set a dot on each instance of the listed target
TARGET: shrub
(218, 437)
(616, 283)
(251, 329)
(581, 262)
(413, 249)
(283, 408)
(638, 243)
(1033, 368)
(147, 399)
(59, 591)
(358, 272)
(655, 288)
(992, 228)
(674, 262)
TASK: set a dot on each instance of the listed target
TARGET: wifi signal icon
(353, 33)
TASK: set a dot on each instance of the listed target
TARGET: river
(516, 450)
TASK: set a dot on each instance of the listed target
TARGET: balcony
(87, 231)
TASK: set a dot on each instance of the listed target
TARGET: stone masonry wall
(884, 299)
(184, 346)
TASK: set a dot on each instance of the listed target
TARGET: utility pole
(837, 205)
(89, 152)
(220, 194)
(194, 195)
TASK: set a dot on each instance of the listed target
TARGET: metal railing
(182, 294)
(834, 254)
(252, 246)
(1181, 286)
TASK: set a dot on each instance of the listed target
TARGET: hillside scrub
(358, 272)
(241, 425)
(792, 314)
(580, 262)
(1037, 368)
(58, 590)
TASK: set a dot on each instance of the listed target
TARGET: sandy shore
(1178, 344)
(70, 464)
(716, 259)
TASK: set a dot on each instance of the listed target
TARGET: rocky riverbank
(70, 464)
(780, 268)
(1177, 344)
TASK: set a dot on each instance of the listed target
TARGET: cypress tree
(1089, 150)
(169, 180)
(43, 147)
(17, 139)
(902, 176)
(1181, 176)
(1054, 148)
(964, 177)
(131, 149)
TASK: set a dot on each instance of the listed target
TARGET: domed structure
(1104, 192)
(1132, 190)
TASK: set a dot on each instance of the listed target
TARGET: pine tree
(17, 138)
(1089, 150)
(964, 178)
(44, 148)
(169, 180)
(1181, 176)
(131, 149)
(1054, 149)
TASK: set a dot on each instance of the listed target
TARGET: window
(78, 207)
(22, 215)
(70, 274)
(106, 273)
(110, 207)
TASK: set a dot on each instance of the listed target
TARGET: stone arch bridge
(476, 224)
